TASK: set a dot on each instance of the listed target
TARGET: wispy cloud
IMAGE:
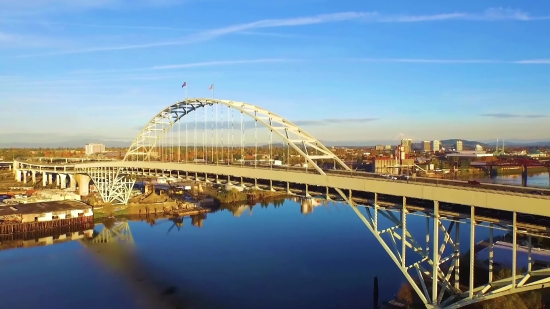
(506, 115)
(534, 61)
(42, 7)
(452, 61)
(411, 60)
(494, 14)
(333, 121)
(216, 63)
(491, 14)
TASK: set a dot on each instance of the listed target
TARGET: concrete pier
(83, 184)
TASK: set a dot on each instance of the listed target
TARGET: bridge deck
(493, 199)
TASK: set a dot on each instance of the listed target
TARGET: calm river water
(259, 257)
(538, 180)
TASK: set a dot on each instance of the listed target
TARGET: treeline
(526, 300)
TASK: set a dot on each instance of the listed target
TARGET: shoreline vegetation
(167, 203)
(251, 195)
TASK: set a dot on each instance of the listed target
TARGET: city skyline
(344, 71)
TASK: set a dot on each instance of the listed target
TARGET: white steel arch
(293, 135)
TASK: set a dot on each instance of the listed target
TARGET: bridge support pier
(50, 178)
(62, 180)
(327, 194)
(72, 182)
(472, 250)
(435, 253)
(307, 191)
(242, 182)
(256, 184)
(271, 186)
(33, 176)
(25, 177)
(206, 178)
(524, 176)
(375, 199)
(83, 184)
(403, 231)
(217, 179)
(44, 179)
(288, 188)
(18, 174)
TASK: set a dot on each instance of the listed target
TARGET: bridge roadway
(67, 167)
(497, 197)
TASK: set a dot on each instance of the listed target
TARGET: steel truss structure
(113, 185)
(118, 233)
(295, 137)
(419, 261)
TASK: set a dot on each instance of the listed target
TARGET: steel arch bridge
(294, 136)
(411, 256)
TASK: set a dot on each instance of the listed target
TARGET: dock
(34, 217)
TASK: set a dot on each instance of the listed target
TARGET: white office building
(94, 148)
(436, 145)
(459, 146)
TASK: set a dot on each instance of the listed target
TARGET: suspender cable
(172, 133)
(212, 119)
(204, 143)
(270, 145)
(242, 139)
(186, 137)
(179, 137)
(216, 120)
(222, 132)
(195, 135)
(230, 155)
(255, 139)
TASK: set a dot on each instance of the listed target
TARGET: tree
(405, 294)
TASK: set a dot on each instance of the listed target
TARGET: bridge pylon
(113, 183)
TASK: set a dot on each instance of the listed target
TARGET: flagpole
(186, 90)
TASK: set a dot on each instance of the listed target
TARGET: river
(251, 257)
(536, 180)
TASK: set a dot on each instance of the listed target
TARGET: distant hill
(465, 143)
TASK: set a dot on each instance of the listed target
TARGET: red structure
(519, 162)
(524, 163)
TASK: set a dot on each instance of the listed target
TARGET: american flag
(211, 87)
(184, 84)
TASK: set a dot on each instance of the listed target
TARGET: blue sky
(100, 69)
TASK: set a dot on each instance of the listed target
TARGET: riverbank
(250, 195)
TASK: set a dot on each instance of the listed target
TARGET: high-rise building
(407, 143)
(427, 146)
(459, 146)
(436, 145)
(94, 148)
